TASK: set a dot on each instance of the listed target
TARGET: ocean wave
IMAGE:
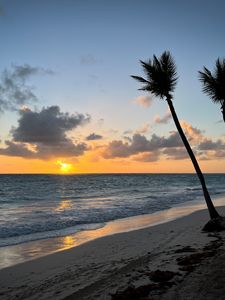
(10, 241)
(43, 206)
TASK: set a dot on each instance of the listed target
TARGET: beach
(112, 150)
(173, 260)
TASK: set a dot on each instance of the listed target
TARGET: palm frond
(140, 79)
(161, 76)
(213, 84)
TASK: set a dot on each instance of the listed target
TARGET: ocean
(37, 207)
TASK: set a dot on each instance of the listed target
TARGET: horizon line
(113, 173)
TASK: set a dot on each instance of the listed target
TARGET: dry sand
(128, 265)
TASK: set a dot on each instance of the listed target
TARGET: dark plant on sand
(161, 79)
(214, 84)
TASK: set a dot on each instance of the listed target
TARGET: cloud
(194, 134)
(129, 131)
(205, 147)
(139, 143)
(176, 153)
(47, 126)
(164, 119)
(88, 59)
(143, 129)
(148, 157)
(210, 149)
(14, 149)
(144, 101)
(139, 148)
(93, 137)
(14, 91)
(208, 144)
(46, 131)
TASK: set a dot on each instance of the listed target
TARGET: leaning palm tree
(161, 79)
(214, 84)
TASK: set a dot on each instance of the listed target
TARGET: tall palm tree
(161, 79)
(214, 84)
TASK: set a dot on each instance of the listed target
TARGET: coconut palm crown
(161, 75)
(214, 84)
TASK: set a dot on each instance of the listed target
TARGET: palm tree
(214, 84)
(161, 79)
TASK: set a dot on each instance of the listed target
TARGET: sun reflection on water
(68, 242)
(63, 205)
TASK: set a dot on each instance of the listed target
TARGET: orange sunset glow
(67, 108)
(64, 167)
(85, 165)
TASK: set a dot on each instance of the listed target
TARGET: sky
(69, 105)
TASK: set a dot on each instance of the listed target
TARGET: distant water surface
(34, 207)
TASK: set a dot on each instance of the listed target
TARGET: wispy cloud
(88, 59)
(14, 90)
(145, 128)
(164, 119)
(194, 134)
(144, 101)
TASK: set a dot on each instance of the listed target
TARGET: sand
(131, 265)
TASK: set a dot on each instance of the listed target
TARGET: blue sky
(93, 47)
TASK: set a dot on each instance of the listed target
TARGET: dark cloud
(210, 149)
(176, 153)
(47, 132)
(14, 91)
(48, 126)
(171, 147)
(139, 143)
(117, 149)
(211, 145)
(93, 137)
(62, 149)
(15, 149)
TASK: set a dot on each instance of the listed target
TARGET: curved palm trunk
(223, 110)
(212, 211)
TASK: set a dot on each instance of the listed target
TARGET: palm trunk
(223, 110)
(212, 211)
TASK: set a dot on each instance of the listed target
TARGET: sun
(64, 167)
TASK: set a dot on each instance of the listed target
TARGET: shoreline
(20, 253)
(104, 266)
